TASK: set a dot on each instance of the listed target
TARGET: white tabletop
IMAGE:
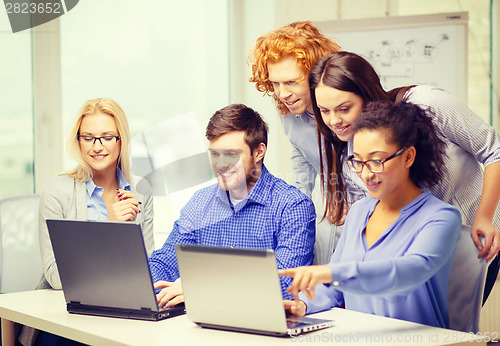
(46, 309)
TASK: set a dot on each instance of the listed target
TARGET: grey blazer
(64, 198)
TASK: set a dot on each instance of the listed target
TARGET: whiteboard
(429, 49)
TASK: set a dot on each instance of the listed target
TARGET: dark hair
(347, 72)
(399, 94)
(238, 117)
(409, 125)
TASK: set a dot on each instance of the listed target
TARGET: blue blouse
(96, 208)
(404, 274)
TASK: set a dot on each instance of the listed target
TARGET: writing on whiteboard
(405, 56)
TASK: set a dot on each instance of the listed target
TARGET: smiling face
(339, 109)
(102, 158)
(290, 85)
(394, 179)
(236, 168)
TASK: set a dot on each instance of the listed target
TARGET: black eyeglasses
(90, 140)
(374, 166)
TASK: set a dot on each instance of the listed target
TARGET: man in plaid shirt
(247, 208)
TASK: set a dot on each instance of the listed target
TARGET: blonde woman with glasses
(100, 187)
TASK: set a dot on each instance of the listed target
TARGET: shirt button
(335, 283)
(235, 216)
(233, 246)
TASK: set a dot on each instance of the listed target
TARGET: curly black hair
(409, 125)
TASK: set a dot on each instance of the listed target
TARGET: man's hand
(170, 295)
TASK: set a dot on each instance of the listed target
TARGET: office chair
(466, 285)
(20, 261)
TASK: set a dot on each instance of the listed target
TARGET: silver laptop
(237, 290)
(104, 270)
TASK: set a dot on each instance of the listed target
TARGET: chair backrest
(20, 261)
(466, 285)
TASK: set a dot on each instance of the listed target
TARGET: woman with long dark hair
(341, 86)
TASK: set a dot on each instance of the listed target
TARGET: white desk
(46, 310)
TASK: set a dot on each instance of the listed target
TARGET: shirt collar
(350, 148)
(258, 194)
(122, 183)
(418, 200)
(91, 187)
(306, 117)
(422, 198)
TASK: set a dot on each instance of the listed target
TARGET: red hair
(300, 40)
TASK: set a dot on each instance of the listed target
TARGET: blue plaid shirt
(274, 215)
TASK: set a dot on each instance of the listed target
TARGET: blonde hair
(109, 107)
(299, 40)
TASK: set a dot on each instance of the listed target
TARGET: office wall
(16, 117)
